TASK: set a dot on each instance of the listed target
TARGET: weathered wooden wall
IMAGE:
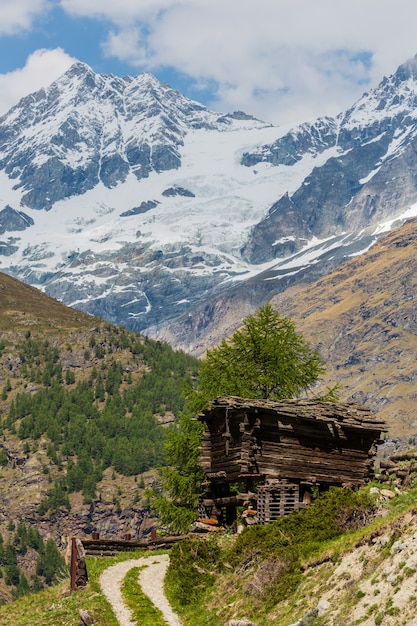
(310, 441)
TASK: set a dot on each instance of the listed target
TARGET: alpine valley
(122, 198)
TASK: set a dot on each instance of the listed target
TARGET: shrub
(283, 544)
(191, 570)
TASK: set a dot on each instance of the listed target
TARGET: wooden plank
(313, 434)
(348, 413)
(292, 451)
(314, 445)
(331, 459)
(312, 460)
(287, 460)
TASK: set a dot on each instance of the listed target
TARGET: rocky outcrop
(12, 220)
(292, 147)
(106, 519)
(178, 191)
(142, 208)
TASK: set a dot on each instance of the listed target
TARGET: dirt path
(151, 579)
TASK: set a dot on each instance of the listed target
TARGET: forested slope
(84, 409)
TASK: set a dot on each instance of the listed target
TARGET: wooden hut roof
(350, 414)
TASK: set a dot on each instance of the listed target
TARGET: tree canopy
(265, 358)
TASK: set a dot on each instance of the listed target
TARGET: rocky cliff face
(145, 208)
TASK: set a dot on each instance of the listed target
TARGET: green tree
(20, 540)
(12, 574)
(4, 459)
(11, 569)
(34, 539)
(7, 387)
(22, 587)
(266, 358)
(58, 497)
(2, 551)
(50, 563)
(69, 377)
(181, 478)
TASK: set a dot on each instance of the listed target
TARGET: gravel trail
(151, 579)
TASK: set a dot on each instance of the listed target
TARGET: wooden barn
(275, 453)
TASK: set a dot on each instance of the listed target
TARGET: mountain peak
(407, 70)
(146, 78)
(89, 128)
(83, 75)
(391, 104)
(78, 67)
(78, 71)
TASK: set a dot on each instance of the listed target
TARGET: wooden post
(73, 567)
(78, 568)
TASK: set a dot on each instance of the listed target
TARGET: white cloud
(120, 12)
(126, 45)
(42, 67)
(18, 15)
(274, 58)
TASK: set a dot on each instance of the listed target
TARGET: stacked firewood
(400, 469)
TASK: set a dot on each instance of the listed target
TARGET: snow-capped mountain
(123, 198)
(368, 177)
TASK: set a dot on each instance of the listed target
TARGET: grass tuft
(143, 610)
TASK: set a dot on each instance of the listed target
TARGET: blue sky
(283, 61)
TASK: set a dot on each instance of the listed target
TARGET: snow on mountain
(129, 201)
(373, 143)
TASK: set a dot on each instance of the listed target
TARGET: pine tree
(50, 563)
(266, 358)
(182, 477)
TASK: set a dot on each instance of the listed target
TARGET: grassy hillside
(363, 318)
(23, 307)
(347, 559)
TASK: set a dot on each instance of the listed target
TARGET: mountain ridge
(146, 205)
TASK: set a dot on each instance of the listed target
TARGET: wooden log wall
(213, 457)
(108, 547)
(311, 441)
